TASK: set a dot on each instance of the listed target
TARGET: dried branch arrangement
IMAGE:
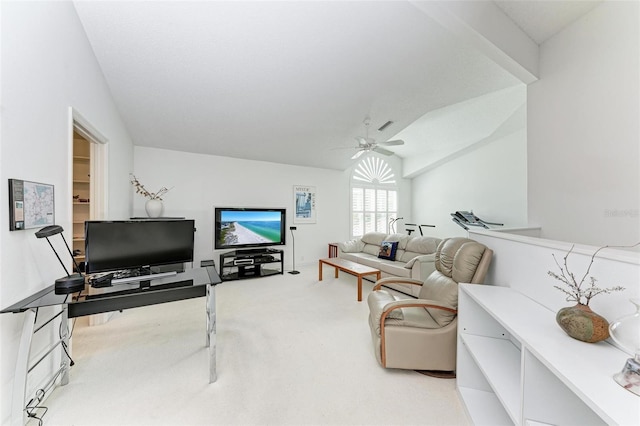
(140, 189)
(577, 291)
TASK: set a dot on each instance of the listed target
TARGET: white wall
(523, 263)
(201, 182)
(47, 67)
(584, 132)
(489, 178)
(582, 161)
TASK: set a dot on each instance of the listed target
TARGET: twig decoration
(575, 291)
(140, 189)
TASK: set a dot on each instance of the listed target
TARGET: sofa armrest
(422, 266)
(353, 246)
(395, 280)
(417, 303)
(389, 308)
(423, 258)
(378, 302)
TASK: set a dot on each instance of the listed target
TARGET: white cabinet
(516, 366)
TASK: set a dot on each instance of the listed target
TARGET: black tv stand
(250, 252)
(250, 263)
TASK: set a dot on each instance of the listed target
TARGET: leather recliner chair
(421, 334)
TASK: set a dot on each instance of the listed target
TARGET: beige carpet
(291, 351)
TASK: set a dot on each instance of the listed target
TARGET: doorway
(88, 178)
(88, 181)
(81, 204)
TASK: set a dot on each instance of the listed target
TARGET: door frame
(98, 166)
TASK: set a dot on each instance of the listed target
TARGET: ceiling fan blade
(365, 141)
(357, 154)
(382, 151)
(392, 143)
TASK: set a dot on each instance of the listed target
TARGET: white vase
(625, 332)
(154, 207)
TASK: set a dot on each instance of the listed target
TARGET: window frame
(376, 170)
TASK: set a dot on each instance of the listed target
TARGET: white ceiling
(543, 19)
(290, 82)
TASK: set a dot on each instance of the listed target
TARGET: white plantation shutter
(374, 198)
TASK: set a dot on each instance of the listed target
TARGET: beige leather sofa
(413, 259)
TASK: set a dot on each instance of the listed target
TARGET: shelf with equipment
(251, 263)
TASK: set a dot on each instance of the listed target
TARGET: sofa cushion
(389, 267)
(369, 260)
(407, 256)
(467, 254)
(443, 290)
(375, 238)
(422, 245)
(464, 267)
(353, 246)
(402, 240)
(388, 250)
(372, 249)
(354, 257)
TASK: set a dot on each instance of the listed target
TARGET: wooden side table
(333, 250)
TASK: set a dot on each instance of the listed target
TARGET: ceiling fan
(367, 144)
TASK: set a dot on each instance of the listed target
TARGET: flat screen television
(137, 244)
(237, 227)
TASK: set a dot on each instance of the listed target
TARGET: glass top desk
(189, 284)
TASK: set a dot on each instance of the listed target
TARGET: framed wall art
(304, 204)
(31, 205)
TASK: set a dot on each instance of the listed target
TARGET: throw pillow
(388, 250)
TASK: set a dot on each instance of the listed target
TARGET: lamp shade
(49, 231)
(70, 283)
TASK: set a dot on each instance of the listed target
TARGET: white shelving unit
(81, 190)
(516, 366)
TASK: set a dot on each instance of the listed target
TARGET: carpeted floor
(291, 351)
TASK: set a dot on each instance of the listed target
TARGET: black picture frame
(31, 204)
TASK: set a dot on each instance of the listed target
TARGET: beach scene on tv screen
(249, 227)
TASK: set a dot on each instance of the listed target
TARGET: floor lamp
(293, 241)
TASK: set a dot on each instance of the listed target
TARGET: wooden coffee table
(349, 267)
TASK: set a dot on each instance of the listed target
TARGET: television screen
(249, 227)
(118, 245)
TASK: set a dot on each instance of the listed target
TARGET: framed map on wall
(31, 205)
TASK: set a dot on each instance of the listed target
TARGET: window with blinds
(374, 197)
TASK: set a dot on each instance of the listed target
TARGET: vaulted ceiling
(291, 82)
